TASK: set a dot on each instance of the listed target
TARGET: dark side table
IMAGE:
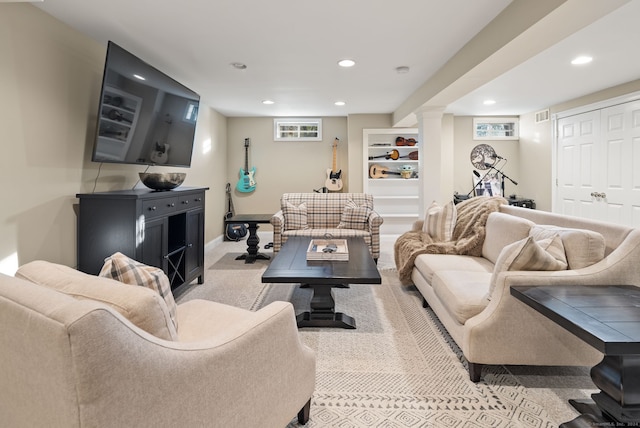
(252, 221)
(607, 318)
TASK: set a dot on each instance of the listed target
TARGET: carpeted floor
(399, 368)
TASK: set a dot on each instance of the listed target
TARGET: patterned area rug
(399, 368)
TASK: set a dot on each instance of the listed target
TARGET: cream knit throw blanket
(468, 235)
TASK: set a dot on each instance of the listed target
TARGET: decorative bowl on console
(162, 180)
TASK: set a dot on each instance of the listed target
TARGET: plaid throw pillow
(354, 216)
(129, 271)
(295, 217)
(440, 221)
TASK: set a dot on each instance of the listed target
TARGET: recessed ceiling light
(137, 76)
(340, 103)
(584, 59)
(268, 102)
(346, 63)
(238, 65)
(402, 69)
(489, 102)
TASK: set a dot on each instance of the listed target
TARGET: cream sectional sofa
(82, 351)
(471, 294)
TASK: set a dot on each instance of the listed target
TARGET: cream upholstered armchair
(341, 215)
(74, 352)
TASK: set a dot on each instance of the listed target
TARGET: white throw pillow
(440, 221)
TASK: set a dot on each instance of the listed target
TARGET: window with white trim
(292, 129)
(495, 128)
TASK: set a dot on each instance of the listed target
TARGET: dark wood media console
(163, 229)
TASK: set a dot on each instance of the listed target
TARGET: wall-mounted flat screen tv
(144, 117)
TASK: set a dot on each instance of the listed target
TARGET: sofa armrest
(256, 374)
(504, 327)
(375, 220)
(277, 221)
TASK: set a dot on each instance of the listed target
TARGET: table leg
(618, 401)
(252, 245)
(323, 312)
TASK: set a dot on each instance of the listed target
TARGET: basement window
(495, 128)
(291, 129)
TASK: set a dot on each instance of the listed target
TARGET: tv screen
(144, 117)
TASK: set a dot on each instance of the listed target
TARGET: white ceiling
(291, 49)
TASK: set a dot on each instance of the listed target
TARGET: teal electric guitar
(247, 182)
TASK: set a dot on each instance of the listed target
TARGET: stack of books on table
(328, 249)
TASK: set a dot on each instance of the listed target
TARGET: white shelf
(396, 199)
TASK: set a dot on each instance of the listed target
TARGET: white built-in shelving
(396, 198)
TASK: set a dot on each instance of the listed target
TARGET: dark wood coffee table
(607, 318)
(290, 265)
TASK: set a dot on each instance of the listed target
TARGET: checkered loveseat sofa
(340, 215)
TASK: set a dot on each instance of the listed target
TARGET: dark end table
(252, 221)
(607, 318)
(290, 265)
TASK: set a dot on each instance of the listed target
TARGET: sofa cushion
(129, 271)
(355, 216)
(143, 307)
(583, 247)
(463, 293)
(295, 216)
(440, 221)
(428, 264)
(529, 254)
(502, 230)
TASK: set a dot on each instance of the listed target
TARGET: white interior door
(598, 163)
(578, 164)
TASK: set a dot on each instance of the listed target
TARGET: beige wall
(50, 79)
(536, 145)
(463, 168)
(281, 166)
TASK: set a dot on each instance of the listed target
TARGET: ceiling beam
(522, 30)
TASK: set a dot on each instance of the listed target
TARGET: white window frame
(498, 134)
(191, 112)
(294, 131)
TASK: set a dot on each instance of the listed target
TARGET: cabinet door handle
(171, 205)
(198, 199)
(185, 202)
(152, 208)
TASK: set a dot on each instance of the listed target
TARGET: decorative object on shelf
(328, 249)
(483, 156)
(334, 180)
(406, 171)
(401, 141)
(162, 180)
(379, 171)
(246, 183)
(393, 154)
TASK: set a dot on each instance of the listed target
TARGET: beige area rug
(399, 368)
